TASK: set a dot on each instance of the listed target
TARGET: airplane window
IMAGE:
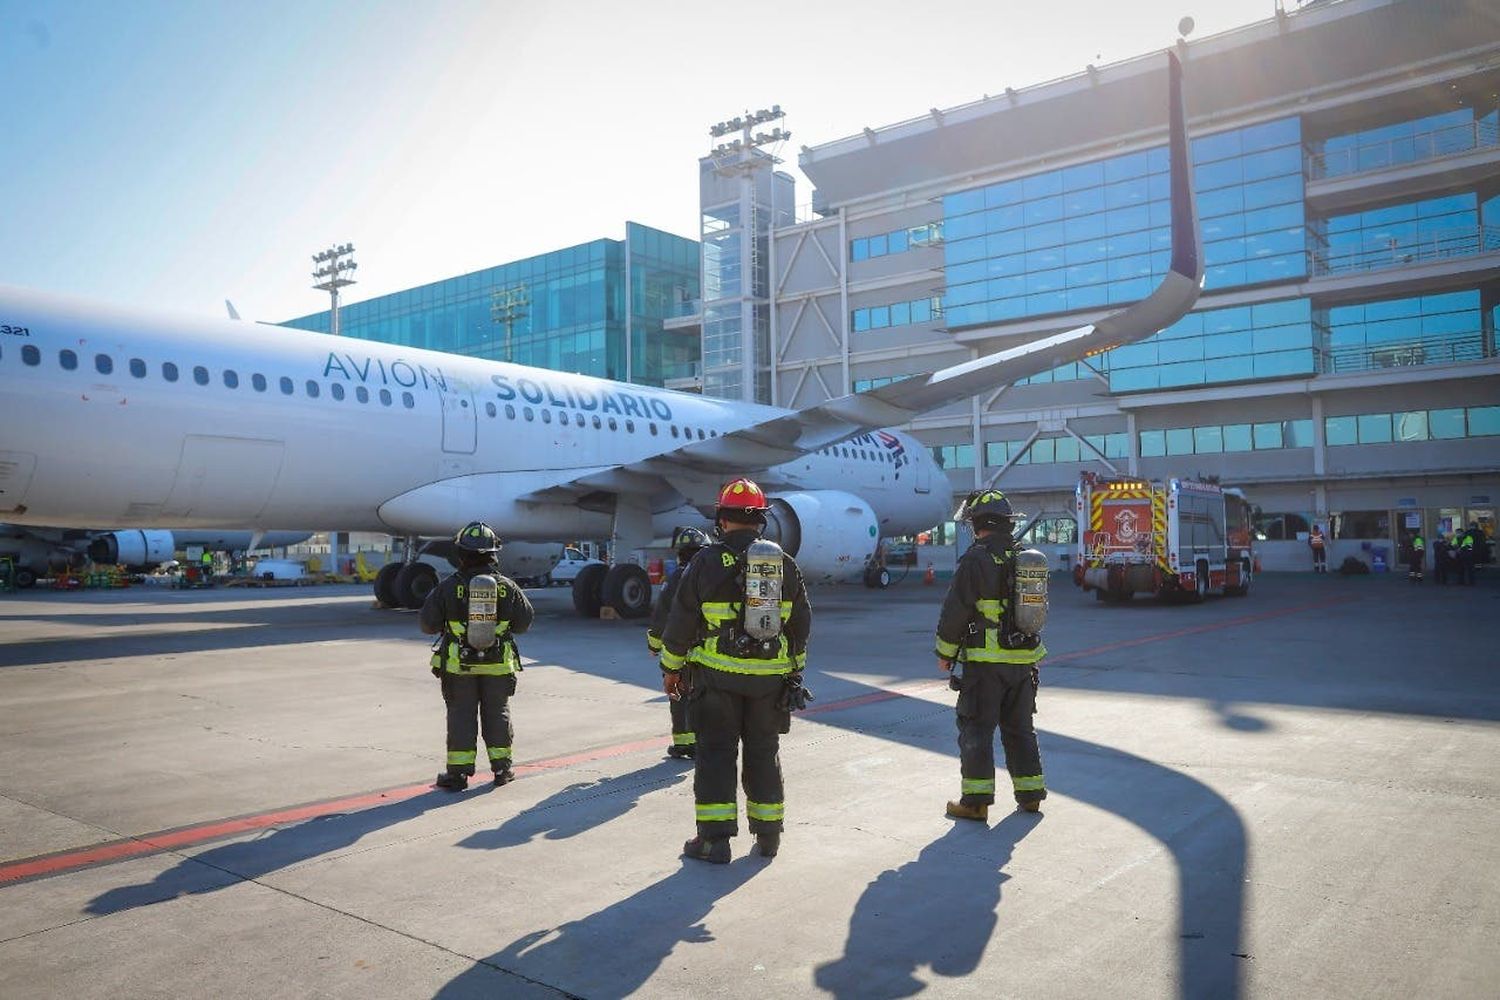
(137, 367)
(31, 355)
(286, 386)
(258, 381)
(407, 400)
(337, 389)
(526, 412)
(700, 434)
(674, 430)
(687, 432)
(231, 379)
(510, 412)
(169, 371)
(596, 423)
(312, 389)
(612, 425)
(385, 397)
(489, 409)
(200, 375)
(546, 416)
(67, 359)
(362, 394)
(103, 364)
(578, 419)
(713, 433)
(630, 426)
(653, 430)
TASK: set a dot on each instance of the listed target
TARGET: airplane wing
(757, 448)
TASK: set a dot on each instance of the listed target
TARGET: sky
(171, 155)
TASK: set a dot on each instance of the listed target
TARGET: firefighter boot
(1030, 807)
(681, 751)
(768, 844)
(504, 775)
(452, 781)
(714, 850)
(957, 810)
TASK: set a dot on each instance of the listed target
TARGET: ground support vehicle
(1178, 539)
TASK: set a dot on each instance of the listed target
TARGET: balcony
(1438, 350)
(684, 317)
(1439, 245)
(1405, 167)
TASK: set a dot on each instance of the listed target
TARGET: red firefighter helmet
(741, 497)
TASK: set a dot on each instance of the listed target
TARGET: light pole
(331, 269)
(508, 305)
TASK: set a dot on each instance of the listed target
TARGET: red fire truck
(1181, 538)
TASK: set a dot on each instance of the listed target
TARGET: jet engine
(830, 533)
(133, 548)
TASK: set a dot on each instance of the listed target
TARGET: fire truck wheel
(1200, 591)
(1243, 587)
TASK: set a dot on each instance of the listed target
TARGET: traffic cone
(929, 577)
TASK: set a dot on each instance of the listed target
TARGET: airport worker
(1416, 555)
(476, 612)
(741, 618)
(688, 541)
(207, 563)
(1442, 559)
(1467, 554)
(977, 628)
(1319, 545)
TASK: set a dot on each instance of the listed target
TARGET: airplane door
(16, 470)
(460, 421)
(924, 476)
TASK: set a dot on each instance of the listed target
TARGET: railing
(1437, 245)
(689, 307)
(1387, 153)
(1404, 353)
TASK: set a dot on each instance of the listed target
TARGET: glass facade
(564, 310)
(1213, 439)
(1420, 330)
(1398, 143)
(896, 314)
(1269, 340)
(1396, 235)
(1405, 426)
(895, 241)
(1057, 449)
(1097, 234)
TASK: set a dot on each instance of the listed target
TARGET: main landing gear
(624, 587)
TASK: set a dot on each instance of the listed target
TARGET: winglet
(1187, 255)
(230, 306)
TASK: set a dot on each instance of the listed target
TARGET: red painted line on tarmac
(188, 836)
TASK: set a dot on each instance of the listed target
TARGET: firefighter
(476, 612)
(999, 679)
(687, 541)
(1468, 554)
(1319, 545)
(741, 618)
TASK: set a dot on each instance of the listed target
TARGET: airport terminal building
(596, 308)
(1341, 364)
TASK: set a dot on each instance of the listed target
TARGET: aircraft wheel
(882, 579)
(627, 589)
(587, 585)
(24, 578)
(385, 585)
(413, 583)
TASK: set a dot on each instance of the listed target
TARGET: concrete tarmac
(223, 793)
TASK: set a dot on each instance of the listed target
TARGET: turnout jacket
(705, 610)
(447, 610)
(663, 607)
(975, 622)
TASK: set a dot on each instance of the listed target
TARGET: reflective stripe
(999, 654)
(462, 756)
(458, 628)
(765, 810)
(499, 753)
(736, 665)
(947, 650)
(684, 739)
(653, 643)
(979, 786)
(711, 812)
(671, 661)
(1028, 783)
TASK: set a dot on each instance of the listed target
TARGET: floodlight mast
(507, 306)
(332, 267)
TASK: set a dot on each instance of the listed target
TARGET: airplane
(125, 419)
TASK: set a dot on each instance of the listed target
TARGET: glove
(794, 695)
(671, 683)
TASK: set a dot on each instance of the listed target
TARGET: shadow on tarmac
(615, 951)
(589, 805)
(220, 867)
(938, 910)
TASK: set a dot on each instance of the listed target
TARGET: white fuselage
(265, 427)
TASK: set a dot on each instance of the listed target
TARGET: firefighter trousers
(727, 710)
(1003, 695)
(472, 700)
